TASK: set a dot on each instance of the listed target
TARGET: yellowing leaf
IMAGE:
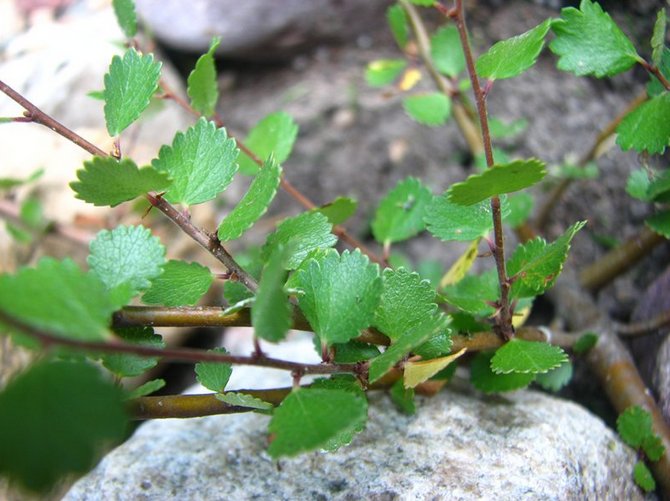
(461, 266)
(520, 317)
(409, 79)
(418, 372)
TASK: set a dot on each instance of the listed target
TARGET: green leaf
(129, 85)
(588, 42)
(431, 108)
(499, 129)
(55, 419)
(244, 400)
(536, 265)
(126, 16)
(585, 343)
(400, 213)
(521, 356)
(309, 419)
(511, 57)
(254, 203)
(274, 135)
(520, 209)
(499, 179)
(423, 3)
(474, 293)
(146, 389)
(397, 19)
(202, 85)
(403, 398)
(127, 255)
(659, 188)
(447, 52)
(201, 163)
(416, 336)
(339, 210)
(484, 379)
(437, 346)
(127, 365)
(643, 477)
(449, 221)
(213, 375)
(7, 183)
(634, 425)
(271, 313)
(340, 294)
(658, 37)
(406, 300)
(301, 234)
(354, 351)
(556, 378)
(569, 171)
(106, 181)
(383, 71)
(180, 284)
(57, 296)
(653, 447)
(646, 128)
(660, 223)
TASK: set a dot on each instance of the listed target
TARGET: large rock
(257, 28)
(459, 445)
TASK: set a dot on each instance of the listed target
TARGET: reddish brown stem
(656, 71)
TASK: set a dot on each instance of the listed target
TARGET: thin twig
(656, 71)
(650, 326)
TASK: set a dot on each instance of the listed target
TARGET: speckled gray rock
(257, 28)
(459, 445)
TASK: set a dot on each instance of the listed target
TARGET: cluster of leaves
(339, 293)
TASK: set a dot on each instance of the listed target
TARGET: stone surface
(258, 29)
(459, 445)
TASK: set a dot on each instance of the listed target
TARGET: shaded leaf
(146, 389)
(274, 135)
(431, 108)
(383, 71)
(556, 378)
(660, 223)
(127, 365)
(403, 397)
(449, 221)
(126, 16)
(474, 293)
(339, 210)
(397, 19)
(647, 127)
(213, 375)
(585, 343)
(520, 209)
(447, 52)
(180, 284)
(521, 356)
(643, 477)
(244, 400)
(499, 129)
(271, 313)
(202, 85)
(484, 379)
(658, 37)
(354, 351)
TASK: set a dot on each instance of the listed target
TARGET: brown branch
(48, 339)
(646, 327)
(209, 242)
(38, 116)
(656, 71)
(619, 260)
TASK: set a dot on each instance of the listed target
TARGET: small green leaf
(647, 128)
(406, 300)
(660, 223)
(126, 16)
(659, 188)
(200, 161)
(499, 129)
(437, 346)
(474, 293)
(653, 447)
(484, 379)
(202, 85)
(658, 37)
(57, 296)
(106, 181)
(340, 294)
(55, 419)
(536, 265)
(431, 108)
(569, 171)
(129, 85)
(213, 375)
(520, 209)
(585, 343)
(403, 398)
(339, 210)
(254, 203)
(127, 365)
(271, 313)
(126, 255)
(397, 19)
(354, 351)
(511, 57)
(423, 3)
(180, 284)
(274, 135)
(556, 378)
(447, 52)
(643, 477)
(383, 71)
(634, 425)
(244, 400)
(588, 42)
(309, 419)
(146, 389)
(416, 336)
(449, 221)
(302, 234)
(499, 179)
(7, 183)
(521, 356)
(400, 214)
